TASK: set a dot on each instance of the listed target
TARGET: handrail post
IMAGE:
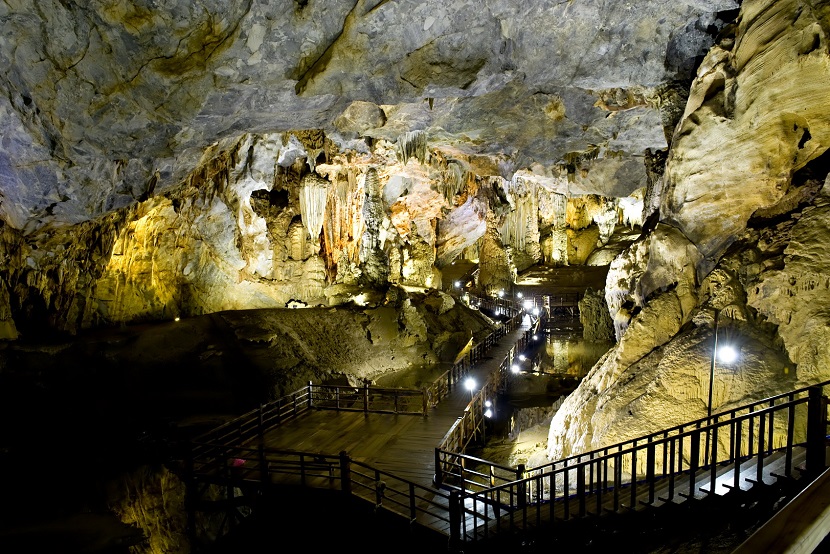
(651, 462)
(366, 396)
(455, 521)
(522, 487)
(438, 478)
(816, 431)
(310, 395)
(345, 473)
(694, 460)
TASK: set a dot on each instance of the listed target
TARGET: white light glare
(727, 354)
(458, 284)
(519, 294)
(501, 294)
(535, 337)
(470, 384)
(487, 403)
(488, 413)
(514, 368)
(522, 357)
(535, 311)
(527, 304)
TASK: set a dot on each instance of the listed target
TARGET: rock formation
(184, 161)
(751, 250)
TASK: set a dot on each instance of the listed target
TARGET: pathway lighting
(515, 368)
(725, 353)
(470, 385)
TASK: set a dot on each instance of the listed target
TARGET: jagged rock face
(743, 234)
(109, 102)
(746, 128)
(793, 297)
(597, 324)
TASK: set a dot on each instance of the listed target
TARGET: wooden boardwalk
(400, 444)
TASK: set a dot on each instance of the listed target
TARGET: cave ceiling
(107, 101)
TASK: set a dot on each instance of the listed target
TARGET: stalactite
(313, 194)
(412, 144)
(314, 143)
(522, 219)
(606, 219)
(560, 211)
(453, 180)
(343, 226)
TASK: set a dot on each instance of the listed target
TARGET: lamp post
(726, 353)
(712, 364)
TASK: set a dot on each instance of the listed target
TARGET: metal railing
(685, 461)
(673, 462)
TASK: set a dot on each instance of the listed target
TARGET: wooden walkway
(400, 444)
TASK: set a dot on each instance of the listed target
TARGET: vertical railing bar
(736, 483)
(759, 467)
(788, 464)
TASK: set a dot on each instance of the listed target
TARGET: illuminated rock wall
(743, 233)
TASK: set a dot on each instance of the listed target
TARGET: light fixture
(488, 413)
(727, 354)
(501, 294)
(458, 284)
(519, 294)
(177, 318)
(514, 368)
(535, 311)
(487, 403)
(470, 384)
(535, 337)
(527, 304)
(522, 357)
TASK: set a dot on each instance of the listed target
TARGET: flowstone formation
(266, 221)
(741, 236)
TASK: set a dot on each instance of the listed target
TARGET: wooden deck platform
(400, 444)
